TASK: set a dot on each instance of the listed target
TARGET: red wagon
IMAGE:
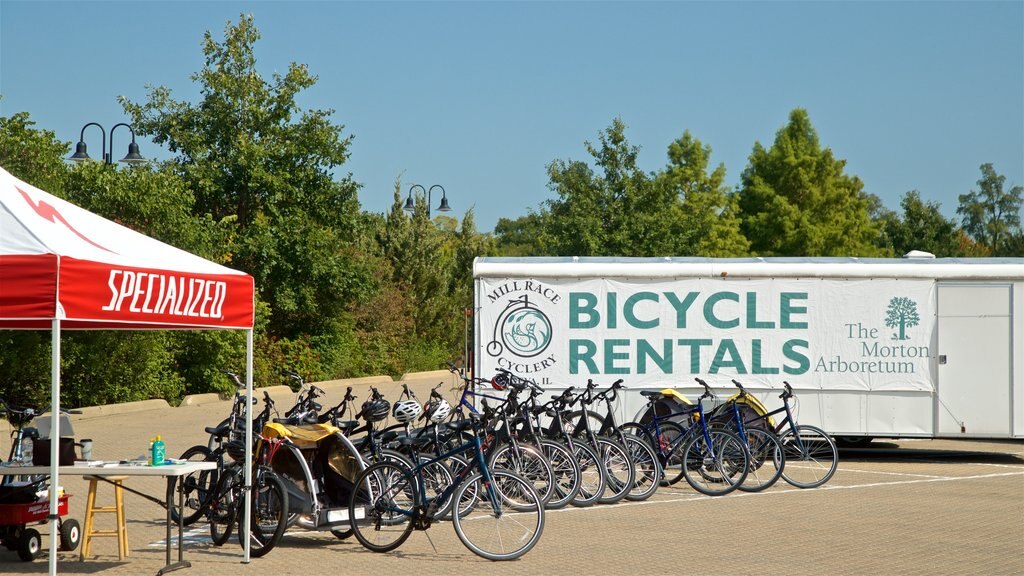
(16, 517)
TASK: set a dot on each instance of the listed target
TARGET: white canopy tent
(64, 268)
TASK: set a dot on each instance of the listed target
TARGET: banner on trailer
(874, 334)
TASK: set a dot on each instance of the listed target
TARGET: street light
(133, 156)
(410, 205)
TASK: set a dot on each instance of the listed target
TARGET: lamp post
(410, 205)
(133, 156)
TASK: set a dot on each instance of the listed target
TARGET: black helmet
(376, 410)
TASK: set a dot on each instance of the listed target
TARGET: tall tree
(921, 227)
(796, 200)
(991, 215)
(706, 211)
(618, 212)
(251, 154)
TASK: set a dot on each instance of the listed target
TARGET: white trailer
(912, 347)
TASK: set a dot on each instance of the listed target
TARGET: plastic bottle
(157, 452)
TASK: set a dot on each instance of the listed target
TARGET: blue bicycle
(391, 501)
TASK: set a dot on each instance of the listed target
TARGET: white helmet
(441, 411)
(406, 410)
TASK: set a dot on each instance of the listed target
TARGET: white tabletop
(111, 469)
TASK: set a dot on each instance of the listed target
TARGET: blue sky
(481, 96)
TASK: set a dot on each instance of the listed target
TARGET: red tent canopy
(58, 261)
(62, 267)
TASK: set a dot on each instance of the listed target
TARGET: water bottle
(157, 451)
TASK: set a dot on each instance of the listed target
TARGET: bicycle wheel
(566, 470)
(509, 521)
(222, 510)
(197, 486)
(767, 462)
(645, 463)
(718, 468)
(437, 477)
(470, 496)
(529, 462)
(811, 456)
(619, 469)
(269, 512)
(382, 507)
(668, 443)
(592, 477)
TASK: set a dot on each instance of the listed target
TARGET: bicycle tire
(647, 469)
(382, 508)
(566, 470)
(529, 462)
(592, 476)
(767, 460)
(198, 486)
(619, 469)
(223, 507)
(269, 512)
(493, 532)
(668, 446)
(716, 470)
(815, 463)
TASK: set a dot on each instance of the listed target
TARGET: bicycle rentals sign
(823, 333)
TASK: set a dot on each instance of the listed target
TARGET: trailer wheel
(853, 441)
(29, 545)
(70, 535)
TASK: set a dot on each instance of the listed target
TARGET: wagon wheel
(70, 534)
(29, 544)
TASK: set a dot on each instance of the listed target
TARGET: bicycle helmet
(440, 411)
(376, 410)
(500, 381)
(406, 410)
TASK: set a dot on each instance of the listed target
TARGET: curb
(123, 408)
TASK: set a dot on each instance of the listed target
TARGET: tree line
(253, 183)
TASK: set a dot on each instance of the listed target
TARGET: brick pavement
(915, 510)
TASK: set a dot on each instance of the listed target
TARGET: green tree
(619, 212)
(991, 215)
(921, 227)
(796, 200)
(251, 154)
(33, 155)
(703, 210)
(521, 236)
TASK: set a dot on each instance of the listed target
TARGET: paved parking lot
(900, 507)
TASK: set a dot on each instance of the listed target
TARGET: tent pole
(247, 510)
(54, 439)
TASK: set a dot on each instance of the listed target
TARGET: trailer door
(974, 356)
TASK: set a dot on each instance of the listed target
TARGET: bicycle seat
(650, 393)
(218, 431)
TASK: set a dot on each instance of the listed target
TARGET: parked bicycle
(714, 461)
(391, 502)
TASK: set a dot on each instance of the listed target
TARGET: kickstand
(429, 539)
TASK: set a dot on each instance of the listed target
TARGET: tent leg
(54, 440)
(248, 448)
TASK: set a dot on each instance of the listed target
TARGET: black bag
(41, 452)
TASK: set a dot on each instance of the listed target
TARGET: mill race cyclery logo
(522, 330)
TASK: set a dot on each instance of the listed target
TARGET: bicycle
(506, 523)
(810, 453)
(767, 460)
(618, 465)
(591, 465)
(645, 460)
(714, 461)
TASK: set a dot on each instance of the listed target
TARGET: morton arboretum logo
(877, 352)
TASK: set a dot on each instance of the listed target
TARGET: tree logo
(902, 314)
(521, 328)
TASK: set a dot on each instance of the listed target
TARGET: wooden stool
(118, 509)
